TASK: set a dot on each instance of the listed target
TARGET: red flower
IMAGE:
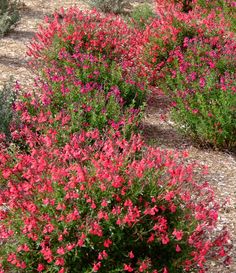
(165, 239)
(178, 249)
(178, 234)
(96, 266)
(40, 267)
(128, 268)
(107, 243)
(131, 254)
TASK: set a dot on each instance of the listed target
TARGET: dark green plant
(9, 15)
(7, 98)
(113, 6)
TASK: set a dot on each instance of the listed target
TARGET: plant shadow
(15, 62)
(156, 130)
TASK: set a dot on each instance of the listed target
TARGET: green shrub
(110, 6)
(113, 206)
(89, 94)
(9, 15)
(7, 114)
(202, 84)
(108, 41)
(141, 16)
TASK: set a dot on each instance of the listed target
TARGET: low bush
(169, 30)
(87, 74)
(110, 6)
(201, 82)
(110, 206)
(190, 56)
(9, 15)
(89, 33)
(8, 116)
(110, 46)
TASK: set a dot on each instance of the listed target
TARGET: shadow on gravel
(160, 133)
(37, 14)
(21, 35)
(9, 61)
(164, 136)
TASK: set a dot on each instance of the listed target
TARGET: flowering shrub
(193, 62)
(201, 82)
(91, 33)
(91, 50)
(169, 30)
(83, 59)
(110, 206)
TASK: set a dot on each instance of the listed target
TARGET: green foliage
(208, 116)
(203, 94)
(228, 8)
(110, 6)
(7, 114)
(141, 16)
(9, 15)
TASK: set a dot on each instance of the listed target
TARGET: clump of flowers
(87, 63)
(193, 62)
(91, 32)
(71, 109)
(109, 206)
(201, 82)
(171, 27)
